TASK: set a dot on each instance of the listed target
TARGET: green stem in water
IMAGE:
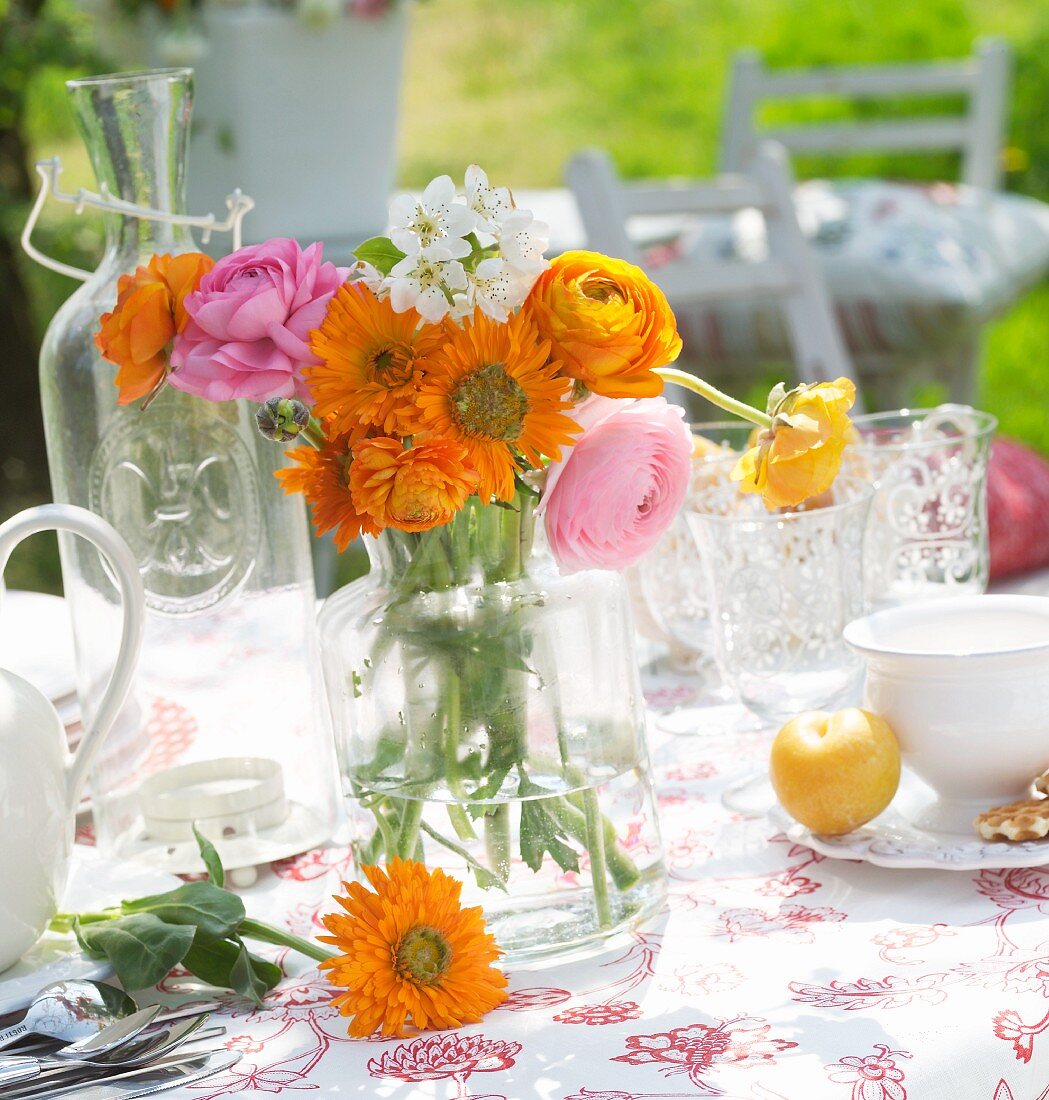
(408, 836)
(595, 843)
(497, 840)
(715, 396)
(266, 933)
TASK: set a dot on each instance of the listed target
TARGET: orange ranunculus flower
(321, 476)
(799, 455)
(608, 323)
(149, 312)
(414, 489)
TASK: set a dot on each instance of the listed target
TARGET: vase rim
(140, 76)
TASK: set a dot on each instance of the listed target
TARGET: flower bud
(282, 418)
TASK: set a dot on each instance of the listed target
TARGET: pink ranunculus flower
(250, 321)
(620, 486)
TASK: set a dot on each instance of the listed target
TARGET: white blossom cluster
(461, 252)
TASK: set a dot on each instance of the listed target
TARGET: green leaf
(227, 964)
(380, 252)
(141, 947)
(212, 862)
(488, 789)
(541, 833)
(202, 905)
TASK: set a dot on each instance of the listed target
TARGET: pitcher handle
(237, 205)
(79, 521)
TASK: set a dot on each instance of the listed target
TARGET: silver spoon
(137, 1051)
(71, 1011)
(147, 1046)
(42, 1048)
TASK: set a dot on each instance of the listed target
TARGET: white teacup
(965, 684)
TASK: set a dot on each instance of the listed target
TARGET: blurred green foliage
(519, 86)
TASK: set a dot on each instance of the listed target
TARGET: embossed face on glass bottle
(188, 502)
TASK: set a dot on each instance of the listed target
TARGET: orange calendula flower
(414, 489)
(799, 456)
(490, 385)
(368, 372)
(149, 312)
(410, 952)
(607, 322)
(321, 476)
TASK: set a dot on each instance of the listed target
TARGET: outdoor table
(773, 974)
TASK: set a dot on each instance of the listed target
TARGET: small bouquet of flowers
(446, 392)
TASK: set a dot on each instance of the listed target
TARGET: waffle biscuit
(1024, 820)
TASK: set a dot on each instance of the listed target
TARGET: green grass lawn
(519, 87)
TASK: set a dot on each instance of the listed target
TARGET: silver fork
(183, 1070)
(139, 1051)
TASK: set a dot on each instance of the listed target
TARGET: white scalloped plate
(890, 840)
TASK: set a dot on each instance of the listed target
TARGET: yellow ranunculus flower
(799, 455)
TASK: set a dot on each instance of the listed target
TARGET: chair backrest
(978, 134)
(789, 272)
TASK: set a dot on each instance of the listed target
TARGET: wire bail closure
(237, 204)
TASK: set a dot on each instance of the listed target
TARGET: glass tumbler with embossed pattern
(927, 532)
(226, 725)
(782, 586)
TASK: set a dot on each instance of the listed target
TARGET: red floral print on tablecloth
(669, 696)
(866, 994)
(305, 997)
(691, 980)
(873, 1077)
(788, 886)
(693, 772)
(1009, 1025)
(614, 1012)
(795, 921)
(244, 1043)
(532, 998)
(698, 1049)
(315, 865)
(895, 941)
(444, 1057)
(253, 1078)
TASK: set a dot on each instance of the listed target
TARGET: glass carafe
(226, 726)
(489, 721)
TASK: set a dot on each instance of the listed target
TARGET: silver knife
(44, 1047)
(174, 1068)
(107, 1091)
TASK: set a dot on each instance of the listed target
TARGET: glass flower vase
(489, 721)
(226, 726)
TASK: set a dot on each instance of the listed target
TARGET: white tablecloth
(774, 974)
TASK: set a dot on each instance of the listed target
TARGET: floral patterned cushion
(911, 268)
(1017, 509)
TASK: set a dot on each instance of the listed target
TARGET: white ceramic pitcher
(40, 782)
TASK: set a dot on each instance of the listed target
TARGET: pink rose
(620, 486)
(250, 321)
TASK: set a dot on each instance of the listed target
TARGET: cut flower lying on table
(411, 954)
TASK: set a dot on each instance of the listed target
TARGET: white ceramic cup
(965, 685)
